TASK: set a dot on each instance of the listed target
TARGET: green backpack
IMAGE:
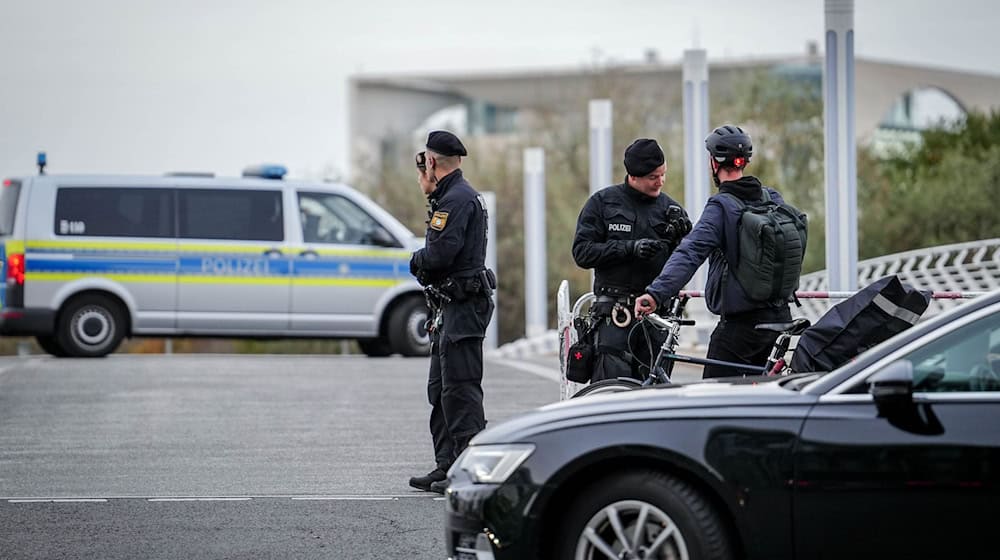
(772, 244)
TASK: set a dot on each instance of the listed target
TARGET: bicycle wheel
(607, 386)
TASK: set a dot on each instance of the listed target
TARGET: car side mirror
(892, 388)
(380, 237)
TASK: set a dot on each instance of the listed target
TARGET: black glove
(417, 272)
(678, 225)
(643, 248)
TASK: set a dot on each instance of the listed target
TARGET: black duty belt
(618, 308)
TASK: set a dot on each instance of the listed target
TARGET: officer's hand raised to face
(643, 248)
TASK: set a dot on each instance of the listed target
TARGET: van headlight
(493, 464)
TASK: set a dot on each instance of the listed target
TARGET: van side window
(248, 215)
(8, 205)
(331, 218)
(114, 212)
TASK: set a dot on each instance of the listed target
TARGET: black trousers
(736, 340)
(624, 352)
(454, 383)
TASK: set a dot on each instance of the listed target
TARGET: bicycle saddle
(793, 328)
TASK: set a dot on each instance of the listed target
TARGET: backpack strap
(764, 197)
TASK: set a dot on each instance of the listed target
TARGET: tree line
(940, 189)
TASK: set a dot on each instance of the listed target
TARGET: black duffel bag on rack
(881, 310)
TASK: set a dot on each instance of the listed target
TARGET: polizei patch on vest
(627, 228)
(438, 220)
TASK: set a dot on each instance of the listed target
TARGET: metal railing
(962, 267)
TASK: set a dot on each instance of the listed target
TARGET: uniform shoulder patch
(439, 220)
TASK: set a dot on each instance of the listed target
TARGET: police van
(89, 260)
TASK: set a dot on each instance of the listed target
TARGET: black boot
(424, 482)
(439, 486)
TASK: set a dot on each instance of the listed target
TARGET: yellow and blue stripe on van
(208, 263)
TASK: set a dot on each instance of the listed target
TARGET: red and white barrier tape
(845, 295)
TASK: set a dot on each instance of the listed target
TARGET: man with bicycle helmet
(741, 303)
(625, 233)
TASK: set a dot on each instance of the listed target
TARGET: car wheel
(90, 326)
(50, 345)
(375, 347)
(643, 515)
(606, 386)
(407, 329)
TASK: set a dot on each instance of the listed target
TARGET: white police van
(89, 260)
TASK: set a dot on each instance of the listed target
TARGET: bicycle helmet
(730, 146)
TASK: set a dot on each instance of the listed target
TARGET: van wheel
(51, 346)
(90, 326)
(406, 328)
(643, 514)
(375, 347)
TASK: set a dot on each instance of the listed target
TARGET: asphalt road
(225, 456)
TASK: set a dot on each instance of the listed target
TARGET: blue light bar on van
(266, 171)
(41, 160)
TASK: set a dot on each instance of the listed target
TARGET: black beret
(445, 143)
(642, 157)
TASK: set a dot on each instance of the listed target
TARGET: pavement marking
(349, 498)
(241, 499)
(329, 497)
(541, 371)
(59, 501)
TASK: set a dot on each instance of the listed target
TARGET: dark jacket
(611, 218)
(456, 231)
(714, 237)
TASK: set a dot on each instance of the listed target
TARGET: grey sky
(148, 86)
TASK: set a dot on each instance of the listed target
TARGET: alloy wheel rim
(631, 530)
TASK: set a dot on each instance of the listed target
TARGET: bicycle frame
(672, 323)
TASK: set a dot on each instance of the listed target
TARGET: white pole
(600, 149)
(696, 188)
(695, 131)
(841, 154)
(493, 330)
(600, 144)
(535, 298)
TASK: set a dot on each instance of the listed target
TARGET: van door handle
(273, 253)
(309, 254)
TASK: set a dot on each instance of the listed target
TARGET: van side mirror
(892, 388)
(380, 237)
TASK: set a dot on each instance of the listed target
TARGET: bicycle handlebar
(664, 323)
(657, 321)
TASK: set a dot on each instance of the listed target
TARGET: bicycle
(671, 322)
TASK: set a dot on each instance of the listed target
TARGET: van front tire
(406, 328)
(375, 347)
(50, 345)
(90, 326)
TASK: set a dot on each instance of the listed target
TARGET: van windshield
(8, 205)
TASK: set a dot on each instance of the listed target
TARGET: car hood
(731, 398)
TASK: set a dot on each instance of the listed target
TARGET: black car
(895, 455)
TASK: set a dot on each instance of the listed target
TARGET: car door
(234, 276)
(347, 262)
(921, 483)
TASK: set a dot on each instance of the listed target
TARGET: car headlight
(493, 464)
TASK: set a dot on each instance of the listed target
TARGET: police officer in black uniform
(452, 268)
(625, 233)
